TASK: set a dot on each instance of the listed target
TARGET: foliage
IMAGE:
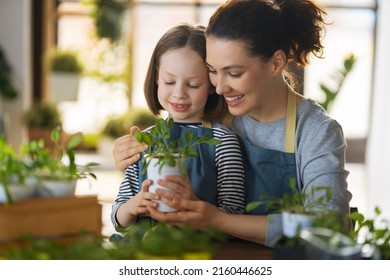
(296, 201)
(119, 126)
(12, 168)
(51, 165)
(85, 247)
(7, 89)
(373, 231)
(63, 61)
(339, 77)
(108, 16)
(168, 241)
(157, 138)
(42, 114)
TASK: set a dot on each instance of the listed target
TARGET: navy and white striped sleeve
(127, 190)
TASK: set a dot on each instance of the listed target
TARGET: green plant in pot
(40, 119)
(57, 171)
(16, 181)
(298, 209)
(374, 232)
(166, 156)
(65, 70)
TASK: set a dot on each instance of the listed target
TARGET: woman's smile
(234, 100)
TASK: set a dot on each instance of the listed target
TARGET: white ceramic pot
(56, 188)
(64, 86)
(294, 222)
(155, 175)
(18, 192)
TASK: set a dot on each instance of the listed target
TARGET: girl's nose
(179, 91)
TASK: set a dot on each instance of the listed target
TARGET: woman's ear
(279, 62)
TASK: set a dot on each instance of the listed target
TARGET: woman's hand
(126, 150)
(196, 213)
(180, 185)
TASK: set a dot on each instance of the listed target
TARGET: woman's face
(183, 84)
(244, 81)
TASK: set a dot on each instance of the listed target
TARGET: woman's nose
(221, 86)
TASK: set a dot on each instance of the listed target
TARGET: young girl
(177, 81)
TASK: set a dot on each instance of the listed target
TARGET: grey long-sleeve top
(319, 150)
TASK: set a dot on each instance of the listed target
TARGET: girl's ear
(279, 62)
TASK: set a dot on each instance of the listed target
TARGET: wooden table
(242, 250)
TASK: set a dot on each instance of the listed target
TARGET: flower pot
(64, 86)
(154, 173)
(295, 222)
(18, 192)
(56, 188)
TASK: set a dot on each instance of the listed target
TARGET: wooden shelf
(50, 217)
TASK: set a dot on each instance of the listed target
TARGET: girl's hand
(126, 150)
(180, 185)
(138, 205)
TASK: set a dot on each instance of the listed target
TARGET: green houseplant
(372, 231)
(166, 156)
(170, 153)
(56, 170)
(299, 209)
(339, 78)
(16, 181)
(65, 71)
(40, 119)
(7, 89)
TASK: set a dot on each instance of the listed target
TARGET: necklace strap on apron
(291, 117)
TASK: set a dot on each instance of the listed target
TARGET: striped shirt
(230, 175)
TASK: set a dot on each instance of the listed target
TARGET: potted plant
(298, 209)
(166, 156)
(56, 170)
(40, 119)
(118, 126)
(65, 72)
(373, 232)
(16, 182)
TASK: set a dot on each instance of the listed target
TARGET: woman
(284, 135)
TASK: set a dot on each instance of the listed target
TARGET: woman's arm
(200, 214)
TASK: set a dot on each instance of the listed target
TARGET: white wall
(15, 34)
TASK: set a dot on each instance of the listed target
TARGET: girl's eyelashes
(170, 83)
(235, 75)
(193, 86)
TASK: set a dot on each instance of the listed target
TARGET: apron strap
(206, 124)
(291, 118)
(227, 120)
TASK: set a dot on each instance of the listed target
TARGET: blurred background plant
(339, 77)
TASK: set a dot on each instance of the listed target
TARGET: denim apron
(268, 172)
(201, 170)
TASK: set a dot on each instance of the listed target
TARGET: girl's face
(244, 81)
(183, 85)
